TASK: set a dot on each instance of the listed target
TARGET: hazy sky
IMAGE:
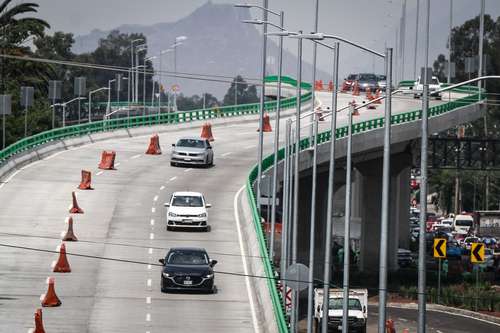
(370, 22)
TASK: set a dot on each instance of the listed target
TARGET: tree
(439, 68)
(244, 93)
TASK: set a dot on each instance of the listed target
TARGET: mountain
(218, 44)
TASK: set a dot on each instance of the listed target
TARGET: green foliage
(244, 93)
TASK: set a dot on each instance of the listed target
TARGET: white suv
(187, 210)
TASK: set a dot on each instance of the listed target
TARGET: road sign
(439, 248)
(27, 94)
(297, 276)
(55, 87)
(80, 87)
(5, 104)
(477, 253)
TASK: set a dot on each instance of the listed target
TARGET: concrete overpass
(117, 288)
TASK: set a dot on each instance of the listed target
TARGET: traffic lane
(435, 321)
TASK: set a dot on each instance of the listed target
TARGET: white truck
(463, 224)
(358, 309)
(418, 88)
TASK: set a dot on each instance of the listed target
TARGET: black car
(187, 268)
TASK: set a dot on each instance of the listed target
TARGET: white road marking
(30, 165)
(152, 221)
(403, 319)
(148, 317)
(250, 147)
(149, 267)
(151, 236)
(162, 188)
(188, 169)
(150, 251)
(226, 154)
(99, 173)
(173, 178)
(148, 300)
(153, 210)
(135, 156)
(149, 282)
(244, 259)
(155, 198)
(117, 164)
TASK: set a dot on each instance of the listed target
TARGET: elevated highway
(122, 233)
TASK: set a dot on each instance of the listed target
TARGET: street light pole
(347, 223)
(108, 108)
(481, 40)
(423, 182)
(416, 40)
(262, 101)
(295, 296)
(90, 100)
(449, 42)
(276, 140)
(384, 228)
(313, 96)
(331, 182)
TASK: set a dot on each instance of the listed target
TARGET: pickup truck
(358, 310)
(418, 88)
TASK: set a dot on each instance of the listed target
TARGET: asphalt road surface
(124, 220)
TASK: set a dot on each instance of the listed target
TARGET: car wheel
(169, 228)
(212, 161)
(173, 164)
(207, 228)
(416, 97)
(214, 290)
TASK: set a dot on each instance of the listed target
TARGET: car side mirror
(166, 204)
(162, 261)
(364, 308)
(213, 263)
(209, 147)
(173, 144)
(208, 206)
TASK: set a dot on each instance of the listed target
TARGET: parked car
(404, 258)
(187, 210)
(187, 269)
(418, 88)
(382, 82)
(192, 151)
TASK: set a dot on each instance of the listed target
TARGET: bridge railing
(36, 140)
(324, 137)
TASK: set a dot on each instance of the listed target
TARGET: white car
(187, 210)
(418, 88)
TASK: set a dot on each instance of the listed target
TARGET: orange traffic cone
(330, 86)
(107, 160)
(389, 326)
(50, 299)
(206, 132)
(345, 87)
(377, 95)
(70, 235)
(38, 322)
(355, 89)
(75, 209)
(85, 184)
(154, 146)
(406, 330)
(369, 94)
(266, 125)
(62, 264)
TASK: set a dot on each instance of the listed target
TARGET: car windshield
(382, 77)
(186, 257)
(187, 201)
(191, 143)
(463, 223)
(367, 77)
(352, 77)
(336, 304)
(435, 81)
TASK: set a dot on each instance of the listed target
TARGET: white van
(463, 223)
(358, 309)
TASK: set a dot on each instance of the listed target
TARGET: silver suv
(193, 151)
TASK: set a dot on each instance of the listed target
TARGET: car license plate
(339, 327)
(188, 282)
(187, 221)
(187, 159)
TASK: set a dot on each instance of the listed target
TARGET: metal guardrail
(324, 137)
(136, 121)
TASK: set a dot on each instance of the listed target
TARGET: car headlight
(209, 276)
(172, 214)
(202, 215)
(166, 275)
